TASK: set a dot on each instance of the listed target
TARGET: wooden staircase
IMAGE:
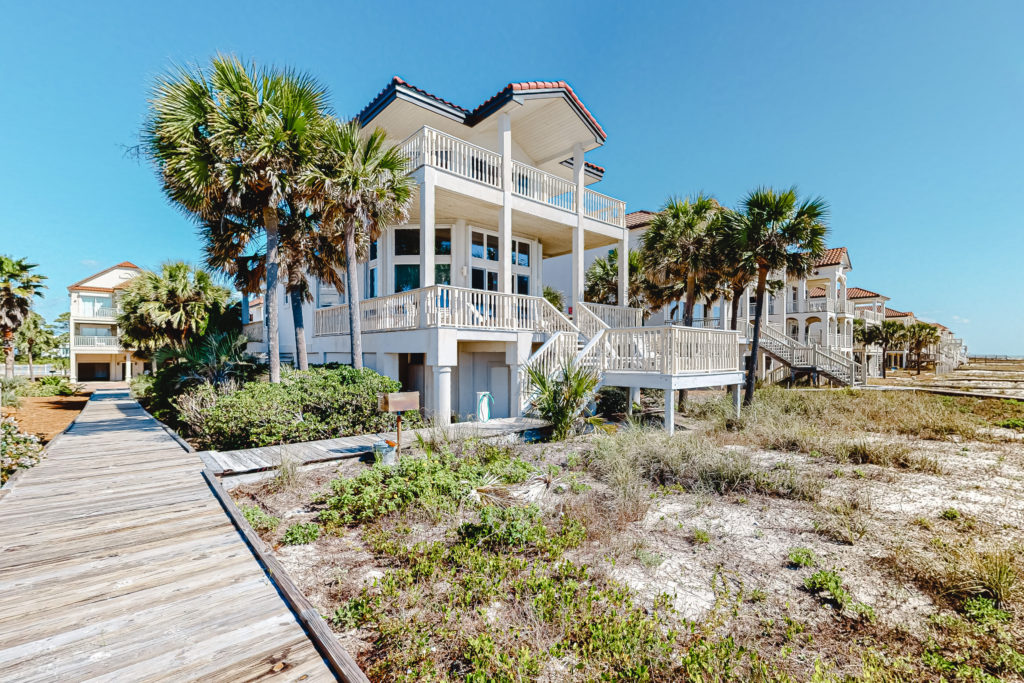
(812, 359)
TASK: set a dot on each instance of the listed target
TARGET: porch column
(128, 367)
(427, 228)
(576, 287)
(443, 394)
(624, 268)
(505, 217)
(670, 411)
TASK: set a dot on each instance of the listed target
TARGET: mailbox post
(398, 402)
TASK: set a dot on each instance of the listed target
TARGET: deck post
(505, 215)
(578, 269)
(443, 394)
(634, 397)
(427, 229)
(670, 411)
(736, 400)
(623, 298)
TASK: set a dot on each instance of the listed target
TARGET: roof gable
(82, 284)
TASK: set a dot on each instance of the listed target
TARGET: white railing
(543, 187)
(708, 323)
(814, 306)
(555, 353)
(670, 350)
(868, 315)
(617, 316)
(603, 208)
(430, 147)
(846, 307)
(253, 331)
(106, 312)
(588, 322)
(445, 306)
(97, 341)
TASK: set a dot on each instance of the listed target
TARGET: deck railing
(97, 341)
(708, 323)
(869, 315)
(549, 358)
(445, 306)
(603, 208)
(106, 312)
(617, 316)
(670, 350)
(431, 147)
(543, 187)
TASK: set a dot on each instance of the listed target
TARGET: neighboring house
(869, 307)
(95, 351)
(453, 298)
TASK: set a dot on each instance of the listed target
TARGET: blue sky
(907, 117)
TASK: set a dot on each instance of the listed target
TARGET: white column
(127, 367)
(736, 391)
(670, 411)
(576, 287)
(72, 365)
(443, 394)
(505, 217)
(624, 268)
(634, 397)
(427, 228)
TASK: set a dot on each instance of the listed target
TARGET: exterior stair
(813, 358)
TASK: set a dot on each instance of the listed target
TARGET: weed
(301, 533)
(259, 520)
(845, 521)
(829, 582)
(701, 537)
(647, 557)
(950, 514)
(287, 472)
(801, 557)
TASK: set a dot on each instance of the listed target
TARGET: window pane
(492, 248)
(407, 276)
(407, 242)
(492, 281)
(373, 250)
(524, 254)
(523, 284)
(478, 245)
(478, 278)
(443, 241)
(371, 283)
(443, 274)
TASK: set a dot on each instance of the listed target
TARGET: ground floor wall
(104, 367)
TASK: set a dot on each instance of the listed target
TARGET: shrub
(562, 400)
(802, 557)
(612, 401)
(260, 520)
(301, 533)
(10, 390)
(17, 450)
(315, 404)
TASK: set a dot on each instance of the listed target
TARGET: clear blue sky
(907, 116)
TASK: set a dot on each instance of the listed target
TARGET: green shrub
(1012, 423)
(17, 450)
(612, 401)
(802, 557)
(829, 583)
(315, 404)
(302, 533)
(500, 528)
(260, 520)
(10, 390)
(950, 514)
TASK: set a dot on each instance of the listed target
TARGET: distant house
(95, 350)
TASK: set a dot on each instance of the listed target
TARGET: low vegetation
(825, 536)
(17, 450)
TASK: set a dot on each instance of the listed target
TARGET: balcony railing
(617, 316)
(96, 341)
(669, 350)
(430, 147)
(868, 315)
(445, 306)
(105, 312)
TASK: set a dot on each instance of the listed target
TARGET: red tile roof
(832, 257)
(858, 293)
(815, 292)
(639, 219)
(127, 264)
(890, 313)
(549, 85)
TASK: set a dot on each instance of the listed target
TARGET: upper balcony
(870, 316)
(96, 342)
(95, 312)
(430, 147)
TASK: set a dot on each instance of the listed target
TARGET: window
(373, 250)
(372, 282)
(443, 273)
(484, 246)
(407, 242)
(407, 276)
(477, 281)
(523, 285)
(492, 281)
(443, 242)
(327, 296)
(492, 248)
(520, 253)
(477, 249)
(484, 279)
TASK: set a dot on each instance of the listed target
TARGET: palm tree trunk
(8, 353)
(691, 291)
(273, 350)
(762, 281)
(300, 332)
(885, 359)
(737, 292)
(355, 323)
(32, 372)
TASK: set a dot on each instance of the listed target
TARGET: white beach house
(95, 349)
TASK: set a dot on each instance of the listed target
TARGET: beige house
(95, 349)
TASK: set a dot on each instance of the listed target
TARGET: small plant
(17, 449)
(562, 400)
(801, 557)
(287, 472)
(950, 514)
(647, 558)
(829, 582)
(702, 537)
(301, 533)
(845, 521)
(984, 611)
(259, 520)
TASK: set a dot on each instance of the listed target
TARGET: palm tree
(33, 338)
(918, 337)
(555, 297)
(602, 280)
(228, 143)
(562, 399)
(358, 184)
(775, 231)
(679, 245)
(18, 286)
(169, 308)
(216, 358)
(738, 270)
(889, 335)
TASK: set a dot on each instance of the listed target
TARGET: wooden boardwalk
(269, 457)
(118, 563)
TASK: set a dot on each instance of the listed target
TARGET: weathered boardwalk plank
(117, 562)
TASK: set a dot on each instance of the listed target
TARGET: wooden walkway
(269, 457)
(118, 563)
